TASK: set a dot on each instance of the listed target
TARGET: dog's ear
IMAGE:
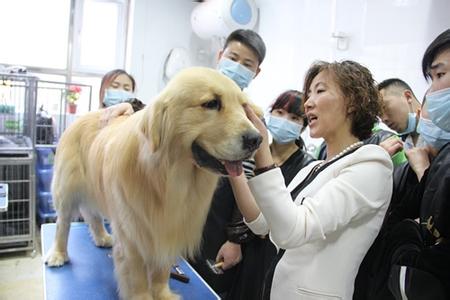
(153, 126)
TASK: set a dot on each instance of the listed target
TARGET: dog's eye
(213, 104)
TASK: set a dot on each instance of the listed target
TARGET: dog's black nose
(251, 141)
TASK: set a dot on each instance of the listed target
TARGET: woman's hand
(419, 160)
(259, 124)
(392, 145)
(112, 112)
(263, 157)
(230, 253)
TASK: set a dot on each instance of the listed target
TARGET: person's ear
(408, 95)
(257, 71)
(219, 55)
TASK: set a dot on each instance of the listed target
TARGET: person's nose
(308, 104)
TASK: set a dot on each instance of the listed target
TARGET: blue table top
(89, 273)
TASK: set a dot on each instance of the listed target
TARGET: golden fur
(140, 173)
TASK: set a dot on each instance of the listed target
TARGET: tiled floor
(21, 275)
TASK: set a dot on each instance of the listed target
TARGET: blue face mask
(432, 135)
(411, 124)
(438, 105)
(283, 131)
(113, 97)
(235, 71)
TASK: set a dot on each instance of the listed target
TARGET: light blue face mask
(431, 134)
(283, 131)
(412, 121)
(113, 97)
(235, 71)
(438, 105)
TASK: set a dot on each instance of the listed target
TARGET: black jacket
(429, 201)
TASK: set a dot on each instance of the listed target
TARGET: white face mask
(431, 134)
(438, 106)
(235, 71)
(116, 96)
(283, 131)
(411, 126)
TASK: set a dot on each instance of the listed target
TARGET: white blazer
(327, 236)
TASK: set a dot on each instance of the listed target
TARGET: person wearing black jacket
(409, 258)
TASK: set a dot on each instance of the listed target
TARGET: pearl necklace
(340, 154)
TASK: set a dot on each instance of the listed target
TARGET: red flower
(74, 89)
(73, 93)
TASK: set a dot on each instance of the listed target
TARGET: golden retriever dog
(152, 174)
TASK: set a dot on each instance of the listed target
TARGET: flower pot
(72, 108)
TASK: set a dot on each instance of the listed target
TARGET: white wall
(387, 36)
(291, 44)
(157, 27)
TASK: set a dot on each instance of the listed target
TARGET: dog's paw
(56, 259)
(170, 296)
(105, 241)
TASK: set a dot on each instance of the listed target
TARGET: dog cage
(17, 222)
(17, 175)
(55, 111)
(17, 107)
(33, 114)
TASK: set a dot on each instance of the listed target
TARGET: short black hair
(250, 39)
(440, 44)
(395, 83)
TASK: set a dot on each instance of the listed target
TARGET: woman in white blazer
(329, 215)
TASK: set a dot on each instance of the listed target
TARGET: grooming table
(89, 273)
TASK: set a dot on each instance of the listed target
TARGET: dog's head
(201, 112)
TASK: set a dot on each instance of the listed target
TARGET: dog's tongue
(234, 168)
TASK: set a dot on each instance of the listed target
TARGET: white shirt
(327, 236)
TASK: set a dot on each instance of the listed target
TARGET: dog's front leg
(58, 255)
(131, 273)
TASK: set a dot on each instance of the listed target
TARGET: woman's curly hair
(358, 89)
